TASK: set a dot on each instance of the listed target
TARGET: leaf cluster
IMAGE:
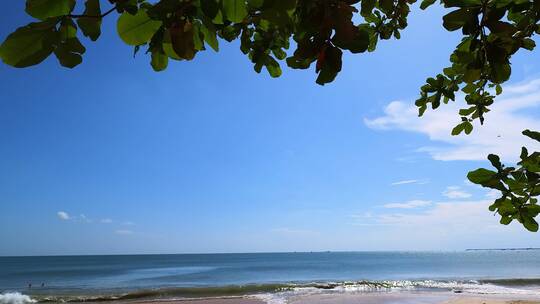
(519, 186)
(492, 31)
(322, 30)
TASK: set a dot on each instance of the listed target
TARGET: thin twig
(93, 16)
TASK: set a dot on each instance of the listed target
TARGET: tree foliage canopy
(319, 31)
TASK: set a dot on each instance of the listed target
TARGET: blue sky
(209, 156)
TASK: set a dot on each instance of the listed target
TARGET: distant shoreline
(502, 249)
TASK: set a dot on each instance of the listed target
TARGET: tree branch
(93, 16)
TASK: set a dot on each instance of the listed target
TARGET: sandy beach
(391, 298)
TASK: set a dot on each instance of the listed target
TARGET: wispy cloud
(85, 219)
(455, 192)
(441, 214)
(409, 181)
(63, 215)
(408, 205)
(501, 133)
(82, 218)
(404, 182)
(444, 224)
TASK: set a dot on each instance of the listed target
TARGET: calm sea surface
(95, 274)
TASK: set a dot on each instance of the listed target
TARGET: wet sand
(490, 300)
(382, 298)
(376, 298)
(231, 300)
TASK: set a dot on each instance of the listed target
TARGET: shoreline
(343, 296)
(365, 292)
(364, 298)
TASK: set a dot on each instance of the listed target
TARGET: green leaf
(468, 127)
(210, 8)
(456, 19)
(159, 61)
(505, 220)
(44, 9)
(532, 134)
(358, 42)
(136, 29)
(495, 161)
(28, 45)
(458, 129)
(91, 26)
(528, 44)
(283, 4)
(367, 7)
(386, 5)
(530, 224)
(498, 89)
(500, 72)
(67, 29)
(235, 10)
(472, 75)
(69, 52)
(210, 36)
(467, 112)
(255, 3)
(67, 56)
(272, 66)
(481, 176)
(276, 16)
(426, 3)
(168, 48)
(462, 3)
(198, 43)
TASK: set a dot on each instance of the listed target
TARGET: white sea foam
(468, 287)
(15, 298)
(473, 287)
(271, 298)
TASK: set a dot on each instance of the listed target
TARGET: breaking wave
(15, 298)
(277, 293)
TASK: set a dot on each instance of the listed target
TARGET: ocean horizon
(173, 276)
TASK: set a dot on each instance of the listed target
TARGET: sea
(272, 276)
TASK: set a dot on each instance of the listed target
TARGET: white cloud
(408, 205)
(493, 194)
(85, 219)
(123, 232)
(445, 224)
(500, 134)
(82, 218)
(410, 181)
(444, 215)
(455, 192)
(404, 182)
(63, 215)
(128, 223)
(448, 214)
